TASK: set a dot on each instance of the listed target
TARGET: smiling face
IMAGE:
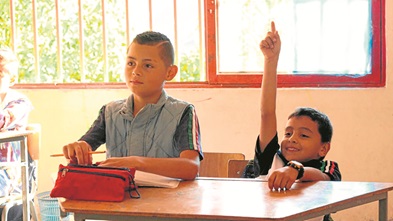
(146, 72)
(302, 140)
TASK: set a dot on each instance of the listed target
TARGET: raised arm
(270, 47)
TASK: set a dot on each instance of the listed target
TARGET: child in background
(14, 112)
(150, 130)
(307, 135)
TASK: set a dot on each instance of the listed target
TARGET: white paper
(154, 180)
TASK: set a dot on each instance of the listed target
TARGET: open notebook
(154, 180)
(146, 179)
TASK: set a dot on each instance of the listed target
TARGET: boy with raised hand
(149, 131)
(306, 139)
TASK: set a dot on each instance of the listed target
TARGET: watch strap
(297, 166)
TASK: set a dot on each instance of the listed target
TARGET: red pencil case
(94, 183)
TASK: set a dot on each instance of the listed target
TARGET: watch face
(298, 165)
(295, 164)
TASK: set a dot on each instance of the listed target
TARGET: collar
(127, 110)
(311, 163)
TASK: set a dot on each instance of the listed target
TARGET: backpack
(248, 171)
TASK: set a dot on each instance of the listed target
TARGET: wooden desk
(21, 136)
(235, 199)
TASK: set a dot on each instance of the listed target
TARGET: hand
(271, 45)
(282, 178)
(6, 118)
(78, 153)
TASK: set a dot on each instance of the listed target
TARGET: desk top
(14, 134)
(238, 199)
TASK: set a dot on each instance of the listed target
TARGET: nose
(135, 69)
(292, 139)
(135, 72)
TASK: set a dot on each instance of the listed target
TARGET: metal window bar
(59, 64)
(35, 47)
(60, 78)
(104, 42)
(201, 44)
(13, 28)
(175, 44)
(81, 42)
(150, 15)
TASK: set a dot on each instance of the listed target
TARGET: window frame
(377, 78)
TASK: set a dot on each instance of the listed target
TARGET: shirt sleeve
(96, 135)
(331, 169)
(263, 160)
(187, 135)
(15, 115)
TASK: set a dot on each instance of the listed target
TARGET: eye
(287, 134)
(130, 63)
(305, 135)
(148, 66)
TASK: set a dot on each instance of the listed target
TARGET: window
(326, 43)
(85, 41)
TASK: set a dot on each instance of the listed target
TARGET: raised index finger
(273, 27)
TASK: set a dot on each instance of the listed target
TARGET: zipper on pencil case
(130, 176)
(64, 171)
(99, 167)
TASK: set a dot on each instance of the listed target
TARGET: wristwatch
(297, 166)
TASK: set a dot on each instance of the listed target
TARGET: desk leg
(383, 208)
(25, 180)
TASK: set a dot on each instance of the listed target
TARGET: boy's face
(302, 140)
(145, 71)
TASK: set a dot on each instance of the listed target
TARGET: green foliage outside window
(72, 67)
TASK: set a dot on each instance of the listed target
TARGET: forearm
(269, 87)
(182, 168)
(313, 174)
(185, 167)
(268, 103)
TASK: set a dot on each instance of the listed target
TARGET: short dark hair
(325, 127)
(167, 53)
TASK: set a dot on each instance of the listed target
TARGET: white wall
(229, 118)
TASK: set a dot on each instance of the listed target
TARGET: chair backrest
(215, 164)
(236, 167)
(34, 140)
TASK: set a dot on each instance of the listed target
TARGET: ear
(324, 149)
(171, 72)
